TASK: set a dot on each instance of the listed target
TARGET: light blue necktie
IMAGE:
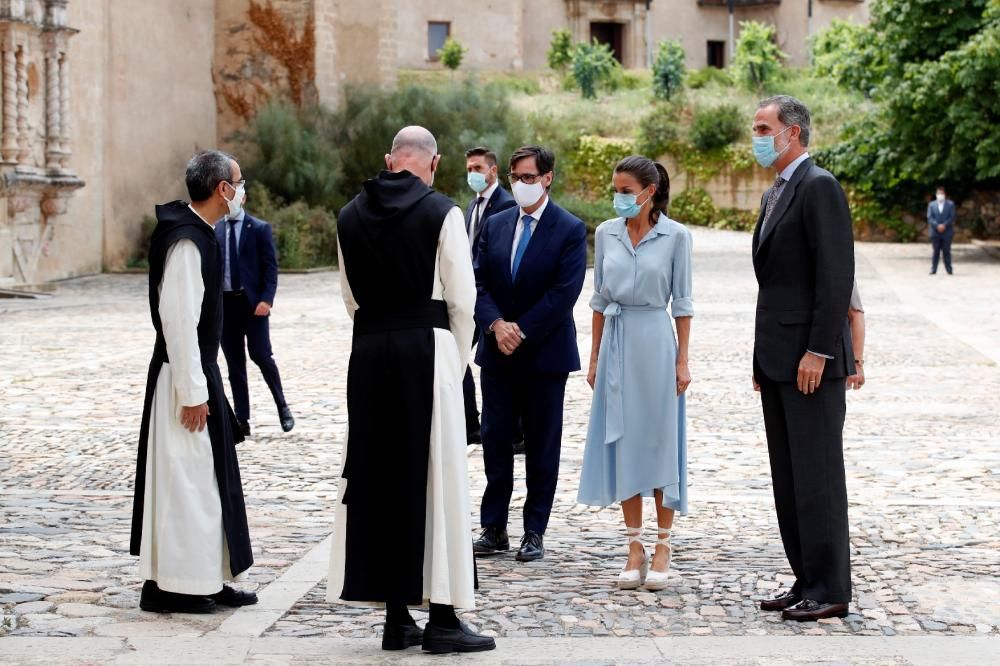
(522, 245)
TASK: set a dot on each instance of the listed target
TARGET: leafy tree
(657, 130)
(560, 54)
(451, 54)
(593, 64)
(716, 128)
(843, 52)
(758, 58)
(668, 69)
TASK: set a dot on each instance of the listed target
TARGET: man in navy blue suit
(250, 280)
(491, 198)
(941, 229)
(529, 274)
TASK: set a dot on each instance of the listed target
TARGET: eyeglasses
(237, 183)
(526, 178)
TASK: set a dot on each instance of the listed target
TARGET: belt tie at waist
(614, 368)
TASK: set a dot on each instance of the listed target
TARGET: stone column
(23, 140)
(9, 146)
(53, 123)
(65, 143)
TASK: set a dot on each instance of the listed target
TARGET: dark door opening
(612, 34)
(716, 54)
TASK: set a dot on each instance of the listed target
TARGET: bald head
(414, 149)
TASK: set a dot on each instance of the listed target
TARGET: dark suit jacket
(945, 217)
(541, 300)
(804, 262)
(499, 201)
(258, 264)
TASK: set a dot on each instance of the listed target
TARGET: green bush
(758, 58)
(842, 52)
(140, 258)
(591, 212)
(622, 79)
(668, 69)
(715, 128)
(694, 206)
(451, 54)
(701, 78)
(592, 164)
(560, 54)
(594, 65)
(291, 156)
(305, 236)
(735, 219)
(657, 131)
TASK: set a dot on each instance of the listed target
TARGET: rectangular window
(716, 54)
(437, 33)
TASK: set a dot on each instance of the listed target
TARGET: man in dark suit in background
(250, 280)
(490, 199)
(941, 228)
(529, 273)
(803, 257)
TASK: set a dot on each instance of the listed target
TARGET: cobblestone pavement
(921, 441)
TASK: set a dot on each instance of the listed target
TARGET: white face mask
(235, 204)
(527, 195)
(940, 198)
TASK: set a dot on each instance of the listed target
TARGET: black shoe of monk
(443, 640)
(155, 600)
(234, 598)
(286, 418)
(401, 636)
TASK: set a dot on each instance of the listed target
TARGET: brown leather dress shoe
(808, 610)
(780, 602)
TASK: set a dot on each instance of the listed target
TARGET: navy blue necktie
(234, 259)
(522, 244)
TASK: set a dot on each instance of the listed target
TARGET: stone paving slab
(921, 446)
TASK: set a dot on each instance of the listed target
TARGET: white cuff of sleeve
(820, 355)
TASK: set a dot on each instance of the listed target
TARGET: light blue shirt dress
(636, 440)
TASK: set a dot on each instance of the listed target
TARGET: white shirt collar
(488, 192)
(199, 216)
(789, 170)
(537, 215)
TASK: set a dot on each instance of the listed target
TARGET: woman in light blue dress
(636, 441)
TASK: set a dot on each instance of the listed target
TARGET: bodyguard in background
(941, 228)
(491, 198)
(529, 274)
(803, 257)
(250, 280)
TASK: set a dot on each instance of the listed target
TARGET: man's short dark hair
(480, 151)
(545, 160)
(205, 171)
(941, 188)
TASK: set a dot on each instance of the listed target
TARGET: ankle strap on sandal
(633, 533)
(664, 534)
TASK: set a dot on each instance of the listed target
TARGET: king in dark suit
(529, 273)
(803, 257)
(250, 280)
(490, 199)
(941, 229)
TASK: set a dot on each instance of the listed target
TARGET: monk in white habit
(189, 523)
(403, 524)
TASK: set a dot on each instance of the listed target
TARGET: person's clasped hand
(508, 336)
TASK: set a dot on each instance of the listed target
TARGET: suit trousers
(538, 400)
(244, 331)
(469, 392)
(942, 246)
(805, 446)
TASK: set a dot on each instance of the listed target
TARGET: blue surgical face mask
(625, 205)
(763, 148)
(477, 181)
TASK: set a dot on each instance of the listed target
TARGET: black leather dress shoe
(401, 636)
(234, 598)
(531, 547)
(287, 420)
(474, 437)
(808, 610)
(781, 602)
(155, 600)
(493, 540)
(245, 428)
(442, 640)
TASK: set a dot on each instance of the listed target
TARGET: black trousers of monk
(243, 331)
(805, 446)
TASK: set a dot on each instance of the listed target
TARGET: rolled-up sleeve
(681, 301)
(599, 302)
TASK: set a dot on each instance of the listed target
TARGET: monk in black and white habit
(402, 526)
(189, 523)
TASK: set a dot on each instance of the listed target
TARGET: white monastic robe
(449, 568)
(183, 547)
